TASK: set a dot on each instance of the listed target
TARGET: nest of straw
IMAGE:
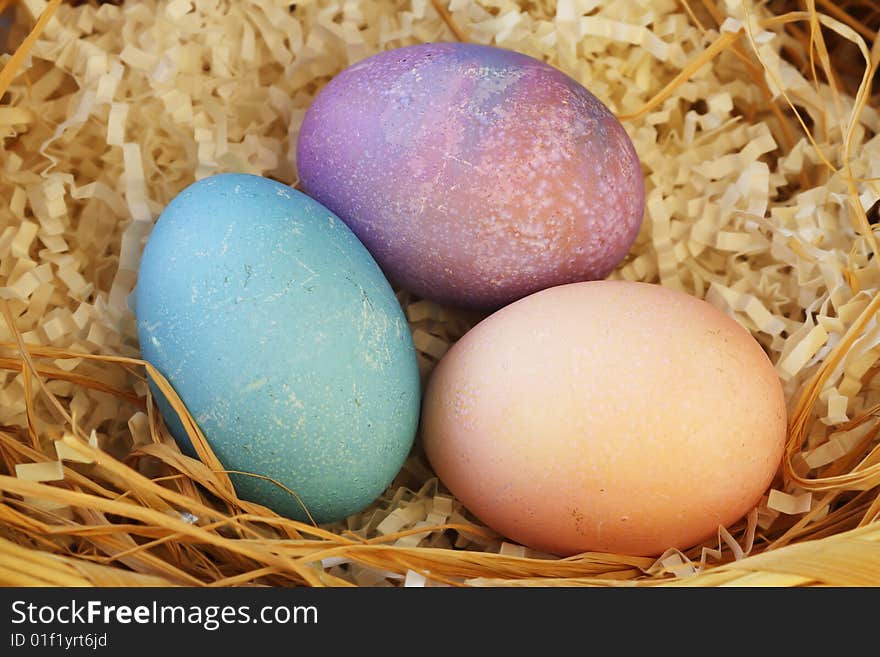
(757, 130)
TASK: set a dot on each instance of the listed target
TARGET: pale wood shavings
(512, 549)
(122, 107)
(414, 579)
(66, 453)
(789, 504)
(49, 471)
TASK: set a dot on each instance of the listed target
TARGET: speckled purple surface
(474, 175)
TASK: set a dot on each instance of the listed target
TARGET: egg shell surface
(287, 344)
(606, 416)
(474, 175)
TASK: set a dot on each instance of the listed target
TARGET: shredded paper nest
(758, 138)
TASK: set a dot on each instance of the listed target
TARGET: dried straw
(761, 177)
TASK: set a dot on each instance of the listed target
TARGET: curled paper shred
(838, 445)
(414, 579)
(67, 453)
(788, 504)
(512, 549)
(48, 471)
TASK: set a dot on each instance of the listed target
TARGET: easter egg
(606, 416)
(474, 175)
(287, 344)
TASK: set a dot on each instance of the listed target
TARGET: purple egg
(474, 175)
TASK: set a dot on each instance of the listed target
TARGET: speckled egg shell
(474, 175)
(606, 416)
(285, 341)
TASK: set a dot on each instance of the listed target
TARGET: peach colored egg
(606, 416)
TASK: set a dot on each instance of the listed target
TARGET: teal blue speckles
(283, 337)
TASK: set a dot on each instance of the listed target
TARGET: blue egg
(284, 339)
